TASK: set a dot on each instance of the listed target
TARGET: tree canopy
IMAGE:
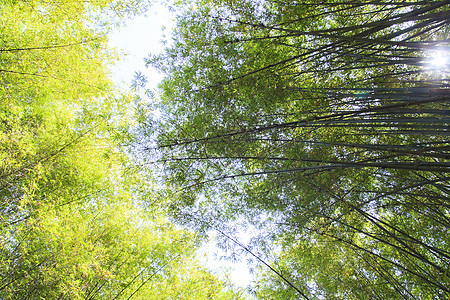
(76, 222)
(320, 125)
(325, 125)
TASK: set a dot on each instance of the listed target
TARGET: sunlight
(439, 59)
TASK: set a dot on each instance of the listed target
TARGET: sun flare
(439, 59)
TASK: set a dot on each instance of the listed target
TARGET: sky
(141, 36)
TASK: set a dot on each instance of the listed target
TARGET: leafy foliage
(73, 221)
(327, 122)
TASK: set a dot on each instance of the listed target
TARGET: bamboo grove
(324, 125)
(75, 222)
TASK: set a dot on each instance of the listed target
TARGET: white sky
(139, 37)
(143, 35)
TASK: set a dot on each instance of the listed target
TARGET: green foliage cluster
(73, 220)
(324, 125)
